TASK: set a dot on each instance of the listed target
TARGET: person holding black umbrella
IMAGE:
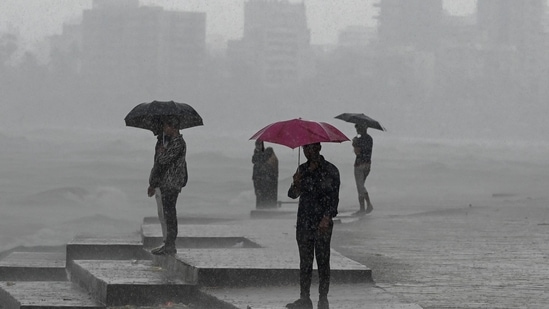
(362, 146)
(168, 175)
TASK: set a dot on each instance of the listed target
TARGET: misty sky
(37, 18)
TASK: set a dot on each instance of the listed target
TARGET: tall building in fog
(410, 23)
(513, 38)
(124, 44)
(275, 45)
(510, 22)
(355, 37)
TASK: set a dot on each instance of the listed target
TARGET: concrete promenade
(351, 287)
(244, 263)
(491, 254)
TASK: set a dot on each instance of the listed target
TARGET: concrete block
(199, 236)
(271, 213)
(43, 294)
(33, 266)
(251, 267)
(127, 247)
(132, 282)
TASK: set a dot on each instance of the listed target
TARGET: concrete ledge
(171, 265)
(260, 267)
(120, 283)
(106, 248)
(199, 236)
(33, 266)
(54, 294)
(269, 213)
(203, 242)
(189, 220)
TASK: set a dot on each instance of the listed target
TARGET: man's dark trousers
(169, 201)
(313, 244)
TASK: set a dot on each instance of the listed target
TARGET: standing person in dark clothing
(168, 176)
(265, 176)
(316, 183)
(157, 194)
(362, 145)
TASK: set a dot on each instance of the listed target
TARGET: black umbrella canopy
(361, 119)
(150, 115)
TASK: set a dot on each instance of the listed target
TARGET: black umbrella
(150, 115)
(361, 119)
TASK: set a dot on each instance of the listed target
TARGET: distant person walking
(362, 145)
(168, 176)
(265, 176)
(316, 183)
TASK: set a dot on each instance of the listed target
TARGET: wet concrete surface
(491, 256)
(488, 255)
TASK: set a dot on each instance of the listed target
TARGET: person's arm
(333, 193)
(295, 189)
(154, 176)
(369, 147)
(332, 199)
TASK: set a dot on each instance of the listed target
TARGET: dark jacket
(364, 144)
(318, 194)
(169, 171)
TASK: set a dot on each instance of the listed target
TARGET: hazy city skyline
(36, 19)
(415, 80)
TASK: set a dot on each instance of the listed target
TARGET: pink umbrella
(298, 132)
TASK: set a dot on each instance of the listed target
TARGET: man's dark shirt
(365, 143)
(319, 194)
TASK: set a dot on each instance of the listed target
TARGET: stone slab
(199, 236)
(131, 282)
(271, 213)
(54, 294)
(33, 266)
(263, 266)
(127, 247)
(193, 220)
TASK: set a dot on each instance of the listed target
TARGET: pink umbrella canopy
(298, 132)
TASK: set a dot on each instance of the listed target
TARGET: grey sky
(38, 18)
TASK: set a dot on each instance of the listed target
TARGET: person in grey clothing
(168, 176)
(362, 145)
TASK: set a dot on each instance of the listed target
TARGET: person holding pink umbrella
(316, 184)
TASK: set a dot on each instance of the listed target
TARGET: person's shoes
(369, 209)
(323, 303)
(157, 249)
(302, 303)
(165, 250)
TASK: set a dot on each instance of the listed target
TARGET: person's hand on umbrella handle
(151, 191)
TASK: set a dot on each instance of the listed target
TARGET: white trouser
(160, 206)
